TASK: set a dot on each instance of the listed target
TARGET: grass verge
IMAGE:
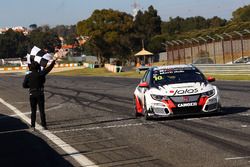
(99, 72)
(133, 74)
(230, 77)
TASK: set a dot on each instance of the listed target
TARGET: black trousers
(37, 98)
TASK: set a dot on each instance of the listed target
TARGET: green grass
(133, 74)
(230, 77)
(99, 72)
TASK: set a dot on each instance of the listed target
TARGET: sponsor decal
(187, 104)
(185, 91)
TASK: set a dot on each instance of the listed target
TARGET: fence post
(172, 49)
(197, 42)
(192, 58)
(222, 45)
(241, 41)
(178, 50)
(231, 42)
(205, 42)
(213, 47)
(184, 56)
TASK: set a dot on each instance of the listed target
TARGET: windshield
(173, 76)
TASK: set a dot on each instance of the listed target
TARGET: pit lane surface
(95, 116)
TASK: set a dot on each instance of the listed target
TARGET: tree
(216, 22)
(46, 40)
(242, 14)
(155, 44)
(109, 32)
(33, 26)
(147, 24)
(178, 25)
(68, 33)
(13, 44)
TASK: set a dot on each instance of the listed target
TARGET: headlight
(209, 93)
(159, 97)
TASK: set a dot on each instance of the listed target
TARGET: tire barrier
(113, 68)
(26, 68)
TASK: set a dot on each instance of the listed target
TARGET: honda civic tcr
(166, 91)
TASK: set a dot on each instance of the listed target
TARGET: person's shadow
(20, 147)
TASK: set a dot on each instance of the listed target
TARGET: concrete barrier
(113, 68)
(90, 65)
(26, 68)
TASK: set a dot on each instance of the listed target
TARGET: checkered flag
(39, 56)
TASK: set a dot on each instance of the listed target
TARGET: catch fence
(226, 48)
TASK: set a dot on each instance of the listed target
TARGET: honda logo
(185, 99)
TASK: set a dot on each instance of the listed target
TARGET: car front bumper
(163, 109)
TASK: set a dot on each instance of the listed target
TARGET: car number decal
(158, 78)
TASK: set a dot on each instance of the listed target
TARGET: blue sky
(68, 12)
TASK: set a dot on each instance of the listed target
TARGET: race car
(166, 91)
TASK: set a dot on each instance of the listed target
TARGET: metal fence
(218, 49)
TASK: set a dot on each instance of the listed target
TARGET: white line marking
(245, 114)
(104, 127)
(237, 158)
(192, 119)
(81, 159)
(53, 108)
(244, 126)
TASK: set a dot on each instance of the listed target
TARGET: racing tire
(219, 110)
(136, 113)
(146, 115)
(146, 111)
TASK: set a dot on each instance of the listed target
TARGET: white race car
(175, 90)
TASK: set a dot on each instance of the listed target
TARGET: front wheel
(146, 116)
(219, 110)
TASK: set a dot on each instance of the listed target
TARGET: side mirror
(210, 79)
(143, 85)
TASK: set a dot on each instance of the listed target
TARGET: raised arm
(50, 67)
(26, 82)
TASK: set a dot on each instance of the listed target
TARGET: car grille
(159, 111)
(187, 110)
(211, 107)
(181, 99)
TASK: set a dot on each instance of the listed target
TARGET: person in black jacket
(35, 82)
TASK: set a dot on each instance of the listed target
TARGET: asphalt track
(94, 115)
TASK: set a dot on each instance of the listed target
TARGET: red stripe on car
(170, 104)
(138, 105)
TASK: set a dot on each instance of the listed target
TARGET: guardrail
(225, 69)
